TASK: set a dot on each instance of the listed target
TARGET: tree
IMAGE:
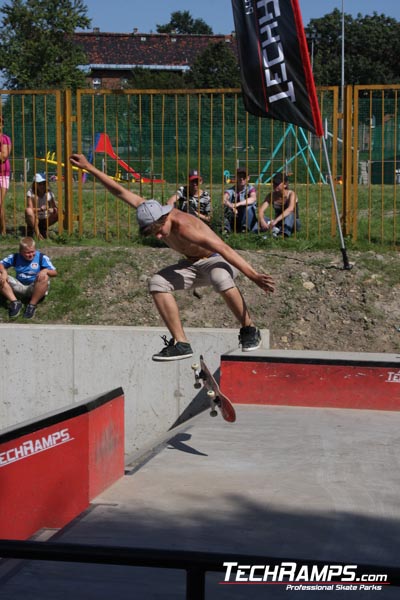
(183, 22)
(36, 46)
(372, 48)
(145, 79)
(216, 67)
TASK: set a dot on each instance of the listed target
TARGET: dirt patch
(316, 306)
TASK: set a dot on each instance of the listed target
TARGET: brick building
(112, 56)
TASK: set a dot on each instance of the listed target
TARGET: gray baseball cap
(151, 211)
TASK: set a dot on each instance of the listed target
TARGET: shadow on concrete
(178, 442)
(199, 404)
(297, 535)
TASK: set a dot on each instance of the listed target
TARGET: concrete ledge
(47, 367)
(315, 357)
(315, 379)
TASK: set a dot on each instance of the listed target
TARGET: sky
(121, 16)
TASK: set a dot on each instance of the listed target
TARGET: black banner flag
(277, 81)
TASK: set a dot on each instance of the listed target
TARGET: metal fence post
(195, 584)
(69, 204)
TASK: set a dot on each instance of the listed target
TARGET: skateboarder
(208, 261)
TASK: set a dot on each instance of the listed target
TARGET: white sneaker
(275, 232)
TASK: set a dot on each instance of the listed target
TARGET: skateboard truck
(213, 402)
(196, 370)
(216, 398)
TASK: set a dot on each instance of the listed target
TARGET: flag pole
(346, 264)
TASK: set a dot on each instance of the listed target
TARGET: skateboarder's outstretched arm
(80, 161)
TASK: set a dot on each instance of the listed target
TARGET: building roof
(146, 50)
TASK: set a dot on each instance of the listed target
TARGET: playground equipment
(103, 145)
(51, 160)
(303, 149)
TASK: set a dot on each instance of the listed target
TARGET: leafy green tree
(372, 48)
(216, 67)
(36, 46)
(183, 22)
(145, 79)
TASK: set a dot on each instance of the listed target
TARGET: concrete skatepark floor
(295, 483)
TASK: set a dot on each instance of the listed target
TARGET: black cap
(278, 178)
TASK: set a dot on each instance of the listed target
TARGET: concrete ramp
(290, 482)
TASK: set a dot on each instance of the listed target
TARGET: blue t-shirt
(27, 270)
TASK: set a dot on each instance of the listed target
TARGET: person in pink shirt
(5, 171)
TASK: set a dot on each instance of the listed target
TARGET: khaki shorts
(214, 271)
(21, 290)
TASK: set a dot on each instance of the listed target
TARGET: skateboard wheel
(213, 413)
(195, 366)
(211, 394)
(197, 385)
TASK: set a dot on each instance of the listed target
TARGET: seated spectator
(192, 199)
(31, 283)
(41, 207)
(240, 205)
(285, 205)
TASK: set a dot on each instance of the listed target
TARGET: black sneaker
(249, 338)
(14, 309)
(173, 351)
(29, 311)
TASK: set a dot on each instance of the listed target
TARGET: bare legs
(3, 192)
(7, 291)
(237, 305)
(39, 290)
(33, 222)
(169, 312)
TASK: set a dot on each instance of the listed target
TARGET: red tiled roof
(145, 49)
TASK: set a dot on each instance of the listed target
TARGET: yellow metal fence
(148, 140)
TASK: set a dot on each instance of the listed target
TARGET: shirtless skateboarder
(209, 261)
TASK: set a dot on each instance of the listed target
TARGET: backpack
(15, 255)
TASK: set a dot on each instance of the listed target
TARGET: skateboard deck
(216, 397)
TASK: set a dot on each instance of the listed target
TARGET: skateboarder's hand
(265, 282)
(79, 160)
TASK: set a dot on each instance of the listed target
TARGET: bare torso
(190, 236)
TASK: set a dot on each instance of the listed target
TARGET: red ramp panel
(106, 456)
(51, 468)
(315, 379)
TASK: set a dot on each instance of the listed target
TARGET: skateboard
(203, 375)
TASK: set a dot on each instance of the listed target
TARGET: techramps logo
(296, 577)
(35, 445)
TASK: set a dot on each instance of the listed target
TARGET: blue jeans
(246, 219)
(288, 225)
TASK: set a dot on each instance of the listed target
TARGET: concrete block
(48, 367)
